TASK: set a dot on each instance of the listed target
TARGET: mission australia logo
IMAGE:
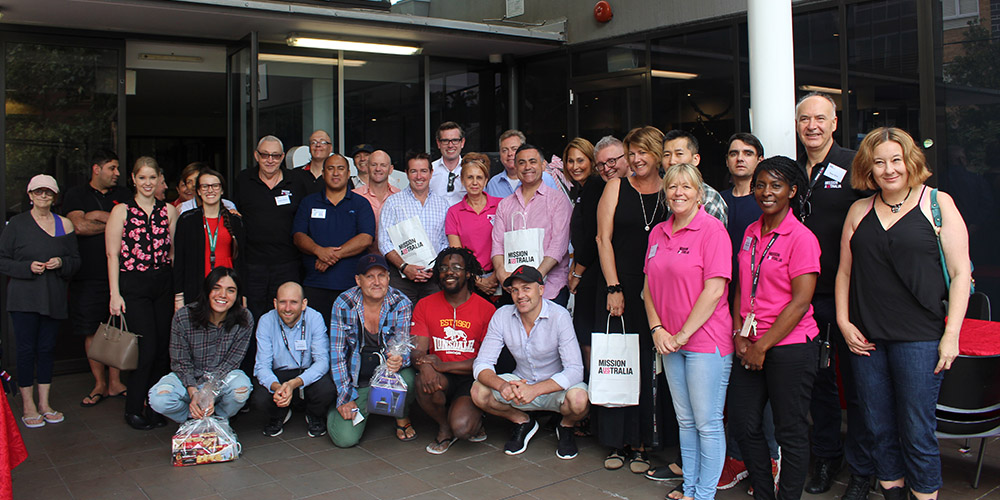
(410, 245)
(519, 257)
(613, 367)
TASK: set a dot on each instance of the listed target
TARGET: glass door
(244, 93)
(609, 106)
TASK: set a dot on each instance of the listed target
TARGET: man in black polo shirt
(268, 197)
(88, 206)
(320, 149)
(829, 196)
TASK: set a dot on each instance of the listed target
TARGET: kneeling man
(293, 352)
(549, 373)
(448, 329)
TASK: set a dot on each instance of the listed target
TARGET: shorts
(546, 402)
(89, 305)
(458, 386)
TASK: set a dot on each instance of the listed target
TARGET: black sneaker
(520, 437)
(566, 449)
(275, 426)
(857, 488)
(317, 426)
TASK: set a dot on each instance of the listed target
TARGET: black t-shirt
(268, 214)
(830, 199)
(315, 184)
(87, 199)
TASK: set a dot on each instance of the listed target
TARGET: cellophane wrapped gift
(205, 440)
(387, 395)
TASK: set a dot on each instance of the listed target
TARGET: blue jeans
(899, 391)
(169, 397)
(698, 384)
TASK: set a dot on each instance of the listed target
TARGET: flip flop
(95, 399)
(403, 428)
(53, 417)
(122, 394)
(440, 446)
(615, 460)
(677, 489)
(479, 438)
(33, 422)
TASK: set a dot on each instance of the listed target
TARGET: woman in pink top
(774, 330)
(469, 223)
(688, 267)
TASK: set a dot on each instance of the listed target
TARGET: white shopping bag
(522, 246)
(614, 368)
(411, 242)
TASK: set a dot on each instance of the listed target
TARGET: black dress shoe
(824, 471)
(137, 422)
(155, 419)
(857, 488)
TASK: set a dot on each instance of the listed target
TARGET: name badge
(319, 213)
(652, 251)
(300, 345)
(747, 243)
(834, 172)
(282, 200)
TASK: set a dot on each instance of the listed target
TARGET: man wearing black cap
(549, 372)
(364, 319)
(361, 153)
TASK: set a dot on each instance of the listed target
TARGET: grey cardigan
(23, 241)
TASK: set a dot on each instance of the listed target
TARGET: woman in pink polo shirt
(774, 330)
(688, 268)
(469, 223)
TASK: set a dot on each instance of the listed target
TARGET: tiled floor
(94, 455)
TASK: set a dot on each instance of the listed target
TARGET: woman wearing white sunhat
(38, 252)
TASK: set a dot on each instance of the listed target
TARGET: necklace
(643, 204)
(895, 208)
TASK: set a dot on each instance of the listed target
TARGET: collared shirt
(268, 214)
(551, 351)
(274, 354)
(365, 191)
(87, 199)
(475, 231)
(677, 266)
(794, 253)
(197, 350)
(548, 209)
(441, 177)
(502, 186)
(404, 205)
(346, 329)
(714, 204)
(193, 204)
(332, 225)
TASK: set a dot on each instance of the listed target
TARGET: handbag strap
(936, 212)
(121, 319)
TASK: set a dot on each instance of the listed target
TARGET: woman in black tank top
(890, 291)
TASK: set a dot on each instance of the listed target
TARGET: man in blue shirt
(549, 375)
(293, 352)
(332, 229)
(505, 183)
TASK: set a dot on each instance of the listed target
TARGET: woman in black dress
(628, 209)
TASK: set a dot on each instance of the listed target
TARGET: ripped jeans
(169, 397)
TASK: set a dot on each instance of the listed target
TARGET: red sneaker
(733, 471)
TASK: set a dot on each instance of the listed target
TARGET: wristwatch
(402, 268)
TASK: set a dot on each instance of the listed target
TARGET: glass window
(297, 95)
(543, 111)
(61, 106)
(472, 96)
(384, 104)
(610, 59)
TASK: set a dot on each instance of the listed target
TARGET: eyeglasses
(319, 143)
(451, 181)
(211, 187)
(272, 156)
(455, 268)
(610, 163)
(44, 193)
(450, 141)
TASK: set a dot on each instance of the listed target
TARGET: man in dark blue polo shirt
(332, 229)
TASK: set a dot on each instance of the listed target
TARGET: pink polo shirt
(376, 207)
(794, 253)
(548, 209)
(475, 231)
(677, 266)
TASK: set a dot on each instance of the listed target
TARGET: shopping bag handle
(607, 328)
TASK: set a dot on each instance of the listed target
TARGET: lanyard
(212, 239)
(755, 272)
(281, 326)
(806, 212)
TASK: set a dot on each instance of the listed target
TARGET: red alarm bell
(602, 11)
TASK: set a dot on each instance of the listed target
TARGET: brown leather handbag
(115, 346)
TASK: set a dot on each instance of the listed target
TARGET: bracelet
(577, 276)
(402, 268)
(615, 288)
(653, 329)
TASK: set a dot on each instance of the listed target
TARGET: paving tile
(314, 483)
(447, 474)
(143, 459)
(484, 488)
(493, 463)
(308, 444)
(192, 487)
(420, 459)
(573, 467)
(570, 489)
(279, 450)
(119, 487)
(269, 491)
(37, 460)
(615, 480)
(226, 480)
(370, 470)
(85, 470)
(47, 490)
(158, 475)
(349, 493)
(388, 446)
(396, 487)
(297, 466)
(339, 457)
(528, 477)
(88, 452)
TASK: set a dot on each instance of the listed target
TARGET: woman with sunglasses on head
(138, 240)
(38, 253)
(891, 268)
(774, 331)
(469, 223)
(207, 237)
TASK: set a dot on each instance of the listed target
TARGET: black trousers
(412, 289)
(786, 380)
(321, 299)
(319, 395)
(825, 405)
(261, 287)
(149, 309)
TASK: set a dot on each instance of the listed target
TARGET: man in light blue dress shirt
(293, 360)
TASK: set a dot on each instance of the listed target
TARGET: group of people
(305, 277)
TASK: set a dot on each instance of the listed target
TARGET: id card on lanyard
(300, 343)
(213, 238)
(750, 323)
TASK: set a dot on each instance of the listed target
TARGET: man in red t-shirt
(448, 327)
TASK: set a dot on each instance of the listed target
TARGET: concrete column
(772, 75)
